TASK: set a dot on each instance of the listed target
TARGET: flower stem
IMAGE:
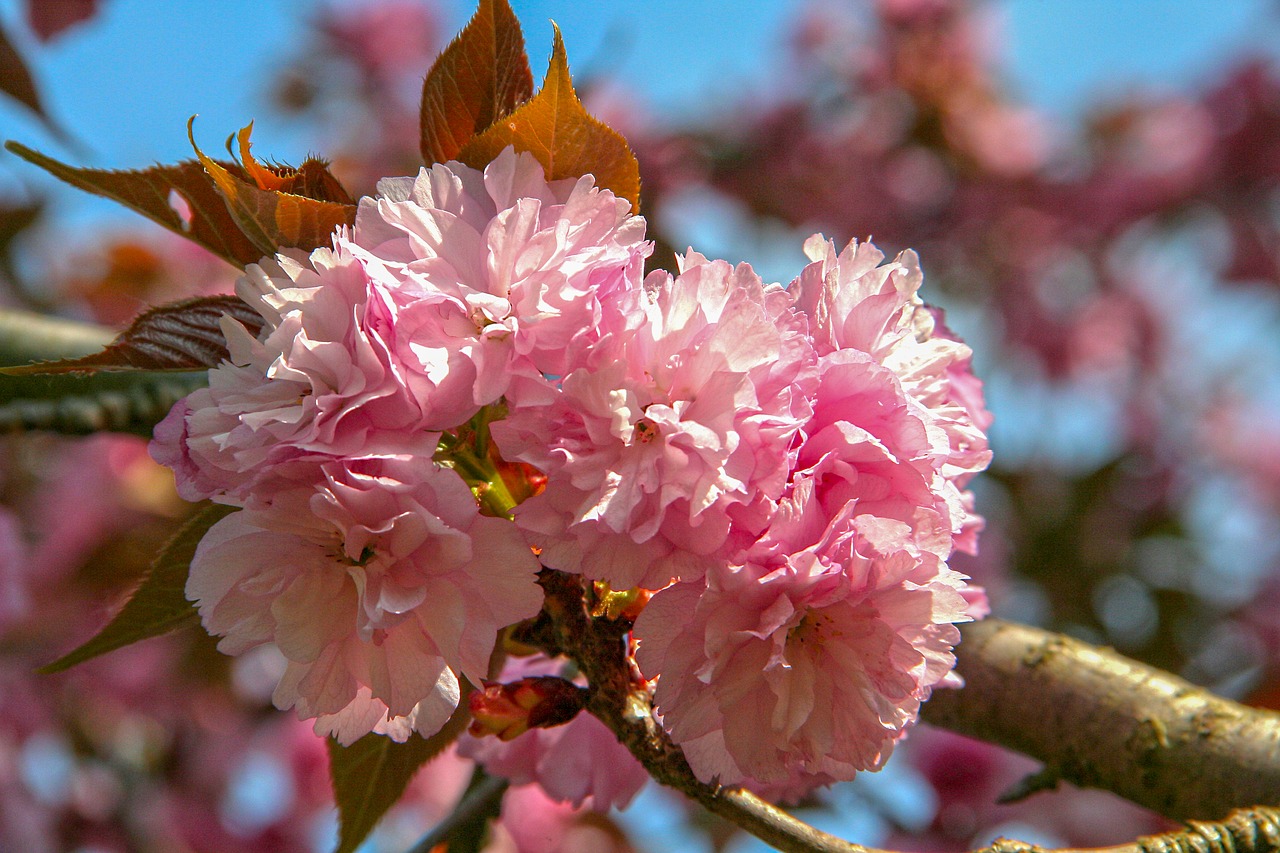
(478, 470)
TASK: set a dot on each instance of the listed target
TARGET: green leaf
(567, 140)
(273, 219)
(480, 77)
(148, 192)
(179, 336)
(108, 401)
(370, 775)
(159, 604)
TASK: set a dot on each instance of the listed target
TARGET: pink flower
(533, 823)
(898, 419)
(854, 302)
(322, 383)
(870, 443)
(683, 414)
(501, 271)
(578, 761)
(14, 558)
(381, 585)
(807, 660)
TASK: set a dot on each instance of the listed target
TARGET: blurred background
(1093, 187)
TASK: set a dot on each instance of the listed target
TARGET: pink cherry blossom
(683, 413)
(501, 271)
(381, 585)
(898, 420)
(321, 383)
(807, 660)
(578, 762)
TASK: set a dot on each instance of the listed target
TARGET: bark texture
(1098, 719)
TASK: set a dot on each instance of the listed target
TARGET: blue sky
(126, 83)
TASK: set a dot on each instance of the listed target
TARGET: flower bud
(509, 710)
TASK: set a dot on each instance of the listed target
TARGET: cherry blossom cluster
(784, 468)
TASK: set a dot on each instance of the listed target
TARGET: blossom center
(644, 431)
(813, 630)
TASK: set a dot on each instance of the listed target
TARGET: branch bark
(1098, 719)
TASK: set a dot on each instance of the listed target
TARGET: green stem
(479, 471)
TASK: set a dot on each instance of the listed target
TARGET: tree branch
(993, 656)
(1098, 719)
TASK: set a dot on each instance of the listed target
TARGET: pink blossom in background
(382, 585)
(384, 39)
(970, 776)
(362, 65)
(14, 602)
(500, 273)
(152, 741)
(683, 414)
(83, 495)
(534, 823)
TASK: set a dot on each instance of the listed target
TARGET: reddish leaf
(159, 604)
(17, 83)
(312, 179)
(370, 775)
(566, 139)
(179, 336)
(15, 219)
(48, 18)
(480, 77)
(273, 219)
(261, 175)
(148, 192)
